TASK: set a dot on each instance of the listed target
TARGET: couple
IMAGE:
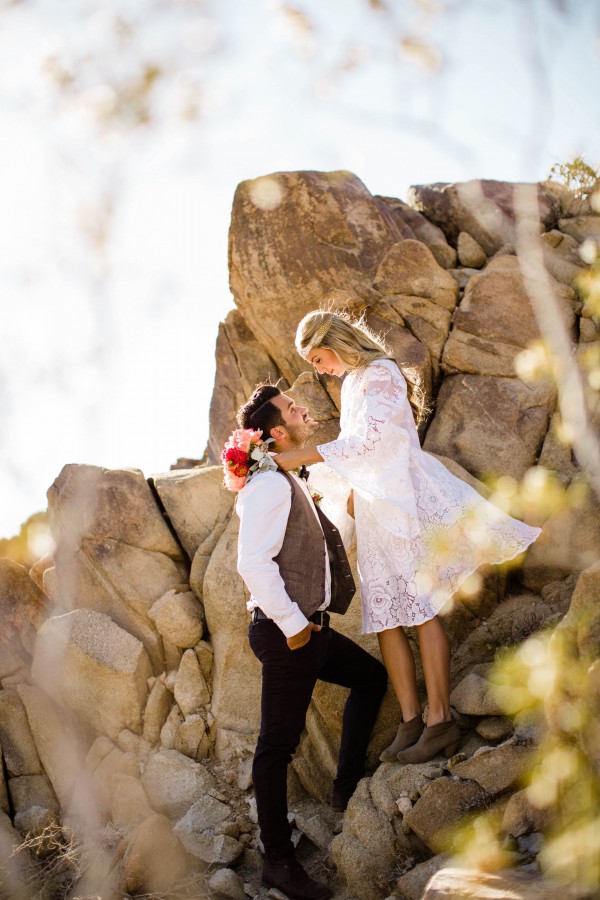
(420, 532)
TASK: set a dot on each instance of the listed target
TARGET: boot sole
(274, 887)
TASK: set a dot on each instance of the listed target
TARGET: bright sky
(112, 362)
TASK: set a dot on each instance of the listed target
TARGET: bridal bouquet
(244, 455)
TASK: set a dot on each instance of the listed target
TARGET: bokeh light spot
(267, 193)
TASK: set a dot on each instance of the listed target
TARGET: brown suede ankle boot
(408, 734)
(444, 736)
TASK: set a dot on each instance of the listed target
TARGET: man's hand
(303, 637)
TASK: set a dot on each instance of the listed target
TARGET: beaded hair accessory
(317, 337)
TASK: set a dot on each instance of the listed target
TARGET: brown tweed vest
(301, 559)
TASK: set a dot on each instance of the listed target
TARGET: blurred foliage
(578, 176)
(537, 362)
(537, 496)
(553, 677)
(588, 282)
(132, 68)
(33, 541)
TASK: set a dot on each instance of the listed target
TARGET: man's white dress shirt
(263, 506)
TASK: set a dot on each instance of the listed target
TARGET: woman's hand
(293, 459)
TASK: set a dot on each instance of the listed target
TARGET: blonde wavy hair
(356, 345)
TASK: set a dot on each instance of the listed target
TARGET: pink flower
(243, 437)
(236, 457)
(233, 482)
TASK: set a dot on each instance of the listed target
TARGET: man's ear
(278, 432)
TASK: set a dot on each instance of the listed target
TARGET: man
(295, 566)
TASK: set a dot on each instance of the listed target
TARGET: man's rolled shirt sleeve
(263, 507)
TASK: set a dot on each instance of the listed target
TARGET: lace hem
(439, 604)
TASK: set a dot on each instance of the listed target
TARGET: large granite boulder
(173, 782)
(469, 252)
(104, 763)
(17, 868)
(154, 859)
(440, 809)
(581, 227)
(18, 747)
(307, 390)
(474, 696)
(191, 690)
(561, 257)
(420, 291)
(413, 884)
(294, 237)
(158, 707)
(471, 884)
(28, 792)
(509, 623)
(112, 504)
(57, 738)
(496, 769)
(369, 846)
(486, 210)
(491, 426)
(4, 804)
(582, 621)
(129, 802)
(236, 672)
(413, 224)
(570, 540)
(179, 618)
(115, 552)
(195, 502)
(93, 668)
(409, 268)
(495, 321)
(23, 608)
(522, 817)
(242, 363)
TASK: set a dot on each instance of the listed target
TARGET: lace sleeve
(372, 451)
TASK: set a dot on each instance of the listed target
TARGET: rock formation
(130, 699)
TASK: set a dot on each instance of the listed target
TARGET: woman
(420, 530)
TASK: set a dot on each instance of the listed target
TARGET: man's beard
(299, 434)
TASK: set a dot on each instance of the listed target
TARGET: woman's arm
(293, 459)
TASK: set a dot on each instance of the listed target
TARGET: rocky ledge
(129, 699)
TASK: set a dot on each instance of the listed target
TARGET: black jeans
(288, 680)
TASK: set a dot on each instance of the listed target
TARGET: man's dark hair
(259, 413)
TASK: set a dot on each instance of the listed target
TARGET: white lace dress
(420, 530)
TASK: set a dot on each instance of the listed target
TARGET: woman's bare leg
(435, 657)
(400, 664)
